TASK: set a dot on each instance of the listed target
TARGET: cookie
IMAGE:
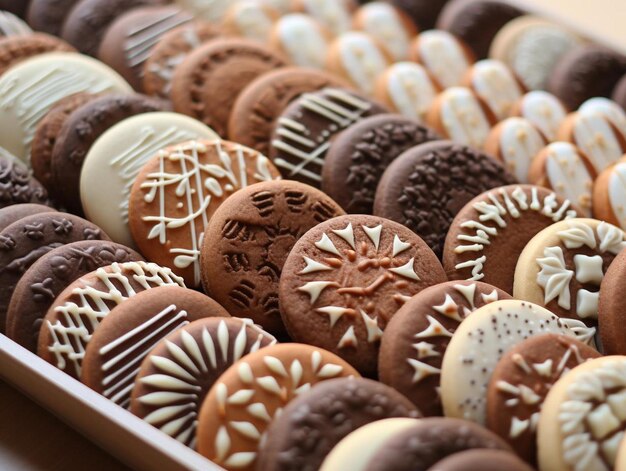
(521, 44)
(12, 25)
(458, 115)
(389, 25)
(608, 109)
(16, 8)
(30, 238)
(17, 48)
(116, 158)
(445, 56)
(479, 343)
(416, 338)
(521, 381)
(562, 267)
(429, 441)
(133, 329)
(250, 19)
(619, 94)
(336, 15)
(359, 59)
(44, 80)
(359, 155)
(488, 235)
(406, 88)
(17, 186)
(611, 307)
(77, 312)
(15, 212)
(497, 87)
(581, 424)
(212, 11)
(128, 42)
(476, 22)
(39, 286)
(428, 185)
(87, 22)
(485, 460)
(47, 16)
(176, 193)
(177, 374)
(248, 240)
(543, 110)
(80, 130)
(207, 83)
(302, 39)
(609, 195)
(423, 12)
(325, 415)
(306, 127)
(564, 168)
(236, 413)
(261, 103)
(345, 279)
(171, 51)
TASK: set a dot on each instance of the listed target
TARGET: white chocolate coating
(545, 111)
(251, 20)
(336, 15)
(410, 89)
(597, 139)
(617, 192)
(383, 22)
(493, 82)
(608, 109)
(361, 59)
(520, 142)
(442, 54)
(463, 118)
(302, 39)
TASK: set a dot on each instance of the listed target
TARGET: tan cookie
(542, 109)
(612, 307)
(303, 40)
(336, 15)
(250, 19)
(609, 195)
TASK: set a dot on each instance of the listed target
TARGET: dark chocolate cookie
(15, 212)
(428, 185)
(27, 240)
(313, 423)
(16, 184)
(423, 12)
(37, 289)
(359, 155)
(81, 129)
(16, 48)
(48, 16)
(483, 459)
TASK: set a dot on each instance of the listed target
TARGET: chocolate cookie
(261, 103)
(17, 186)
(207, 83)
(240, 406)
(48, 16)
(428, 185)
(131, 331)
(542, 109)
(521, 381)
(612, 307)
(307, 429)
(359, 155)
(609, 195)
(77, 312)
(17, 48)
(15, 212)
(247, 243)
(16, 7)
(619, 94)
(423, 12)
(178, 373)
(176, 193)
(488, 235)
(306, 127)
(483, 459)
(345, 279)
(81, 130)
(416, 338)
(39, 286)
(27, 240)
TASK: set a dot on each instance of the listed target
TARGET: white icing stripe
(462, 117)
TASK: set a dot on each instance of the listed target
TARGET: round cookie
(479, 343)
(619, 97)
(428, 185)
(44, 80)
(15, 212)
(80, 131)
(251, 19)
(30, 238)
(336, 15)
(406, 88)
(325, 415)
(582, 424)
(248, 240)
(476, 22)
(611, 308)
(345, 279)
(485, 460)
(207, 83)
(177, 374)
(609, 195)
(562, 267)
(261, 103)
(489, 234)
(460, 116)
(543, 110)
(359, 155)
(39, 286)
(212, 11)
(10, 24)
(306, 127)
(48, 16)
(131, 331)
(17, 186)
(423, 12)
(358, 58)
(564, 168)
(445, 56)
(128, 42)
(301, 39)
(521, 381)
(608, 109)
(77, 312)
(17, 48)
(116, 158)
(431, 440)
(585, 72)
(415, 340)
(171, 51)
(176, 193)
(236, 413)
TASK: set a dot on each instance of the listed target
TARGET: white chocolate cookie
(609, 110)
(336, 15)
(250, 19)
(303, 40)
(542, 109)
(609, 195)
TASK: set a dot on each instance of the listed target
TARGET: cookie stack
(314, 234)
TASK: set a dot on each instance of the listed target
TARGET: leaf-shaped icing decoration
(577, 235)
(259, 411)
(240, 460)
(554, 277)
(611, 238)
(167, 382)
(215, 170)
(242, 396)
(214, 187)
(164, 413)
(296, 372)
(246, 429)
(157, 231)
(184, 261)
(170, 367)
(270, 384)
(222, 443)
(181, 356)
(275, 365)
(262, 167)
(329, 370)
